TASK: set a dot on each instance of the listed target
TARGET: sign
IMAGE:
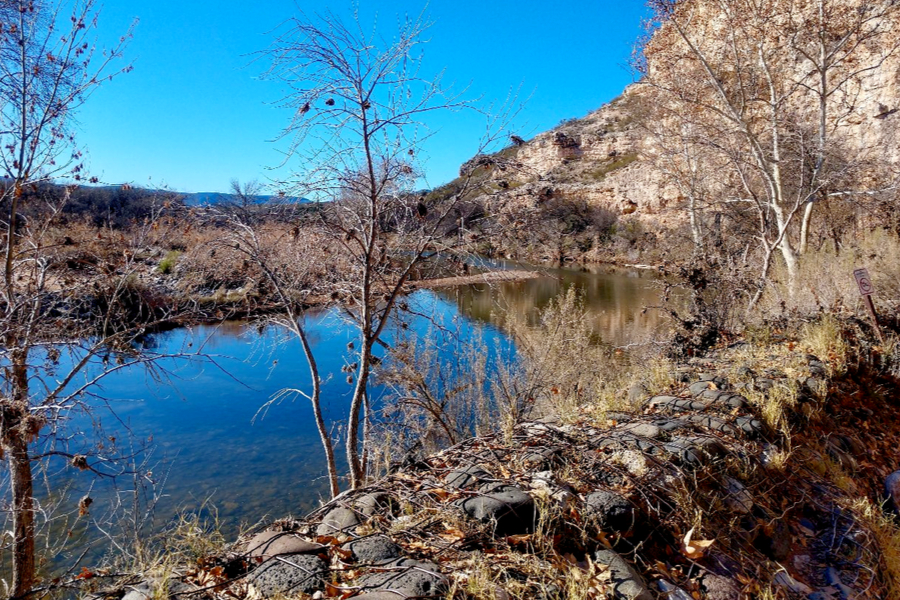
(864, 282)
(866, 289)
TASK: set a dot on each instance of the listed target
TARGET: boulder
(376, 502)
(288, 576)
(717, 587)
(510, 508)
(374, 550)
(645, 430)
(672, 404)
(338, 520)
(713, 424)
(751, 427)
(694, 451)
(466, 478)
(612, 511)
(626, 582)
(406, 578)
(892, 490)
(267, 544)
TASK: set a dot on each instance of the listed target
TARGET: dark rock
(511, 509)
(539, 458)
(374, 550)
(267, 544)
(374, 503)
(289, 575)
(644, 430)
(694, 451)
(670, 404)
(718, 587)
(408, 578)
(338, 520)
(712, 423)
(466, 478)
(892, 490)
(750, 426)
(699, 387)
(669, 425)
(723, 398)
(626, 582)
(612, 511)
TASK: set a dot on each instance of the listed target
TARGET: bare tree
(831, 37)
(759, 99)
(49, 64)
(359, 105)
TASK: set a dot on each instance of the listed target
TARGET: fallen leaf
(516, 540)
(695, 549)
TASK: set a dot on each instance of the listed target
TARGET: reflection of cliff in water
(616, 300)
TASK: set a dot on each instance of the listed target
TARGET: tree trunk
(362, 380)
(804, 227)
(15, 435)
(22, 487)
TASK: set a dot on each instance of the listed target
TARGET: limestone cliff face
(598, 159)
(606, 157)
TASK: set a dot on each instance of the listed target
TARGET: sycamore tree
(757, 98)
(360, 107)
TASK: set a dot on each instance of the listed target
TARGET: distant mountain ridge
(213, 198)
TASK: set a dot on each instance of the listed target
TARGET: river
(209, 445)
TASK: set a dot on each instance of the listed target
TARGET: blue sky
(193, 114)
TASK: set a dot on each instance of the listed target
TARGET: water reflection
(211, 443)
(615, 300)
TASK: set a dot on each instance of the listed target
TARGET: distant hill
(213, 198)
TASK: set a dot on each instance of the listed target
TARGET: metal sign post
(866, 289)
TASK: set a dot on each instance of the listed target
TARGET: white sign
(864, 282)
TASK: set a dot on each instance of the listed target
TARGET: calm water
(209, 442)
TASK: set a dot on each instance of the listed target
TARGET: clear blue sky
(193, 114)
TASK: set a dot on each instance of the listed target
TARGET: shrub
(167, 264)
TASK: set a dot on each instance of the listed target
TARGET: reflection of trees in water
(615, 301)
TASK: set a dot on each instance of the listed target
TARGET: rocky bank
(757, 474)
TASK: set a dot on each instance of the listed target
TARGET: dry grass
(826, 283)
(825, 339)
(886, 536)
